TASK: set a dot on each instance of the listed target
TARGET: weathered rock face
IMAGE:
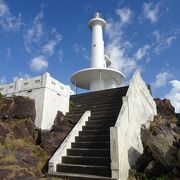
(50, 141)
(25, 150)
(17, 107)
(20, 157)
(164, 107)
(161, 146)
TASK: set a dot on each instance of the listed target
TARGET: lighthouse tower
(99, 76)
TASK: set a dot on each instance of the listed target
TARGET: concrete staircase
(89, 155)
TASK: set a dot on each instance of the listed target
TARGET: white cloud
(34, 33)
(8, 54)
(118, 46)
(61, 55)
(8, 22)
(80, 49)
(151, 11)
(125, 14)
(174, 95)
(141, 52)
(161, 79)
(48, 49)
(3, 80)
(119, 58)
(38, 63)
(114, 29)
(20, 75)
(163, 40)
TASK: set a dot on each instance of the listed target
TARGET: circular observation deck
(83, 78)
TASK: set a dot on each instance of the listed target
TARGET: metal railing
(106, 53)
(96, 15)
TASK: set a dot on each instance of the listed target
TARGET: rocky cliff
(25, 150)
(161, 157)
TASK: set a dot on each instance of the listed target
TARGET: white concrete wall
(49, 94)
(138, 109)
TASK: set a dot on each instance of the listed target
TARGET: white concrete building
(99, 76)
(49, 94)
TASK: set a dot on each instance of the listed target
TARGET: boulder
(17, 107)
(144, 136)
(49, 142)
(59, 118)
(176, 129)
(132, 174)
(155, 169)
(4, 173)
(176, 171)
(178, 154)
(163, 150)
(164, 107)
(4, 130)
(143, 161)
(23, 174)
(23, 128)
(25, 157)
(178, 123)
(24, 107)
(6, 105)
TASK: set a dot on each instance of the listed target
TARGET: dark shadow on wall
(133, 155)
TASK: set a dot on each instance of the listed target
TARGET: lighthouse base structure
(95, 79)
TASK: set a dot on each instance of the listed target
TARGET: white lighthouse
(98, 76)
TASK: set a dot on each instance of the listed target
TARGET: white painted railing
(62, 150)
(138, 109)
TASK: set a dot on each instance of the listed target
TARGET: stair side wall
(66, 144)
(137, 110)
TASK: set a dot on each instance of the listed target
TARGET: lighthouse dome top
(97, 18)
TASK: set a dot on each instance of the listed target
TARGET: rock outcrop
(50, 140)
(17, 107)
(161, 146)
(24, 149)
(20, 156)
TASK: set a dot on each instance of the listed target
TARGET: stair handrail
(138, 108)
(66, 144)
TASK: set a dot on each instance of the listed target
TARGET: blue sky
(45, 35)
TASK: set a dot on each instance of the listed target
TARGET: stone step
(109, 117)
(92, 96)
(96, 127)
(91, 145)
(96, 108)
(95, 112)
(99, 122)
(84, 169)
(102, 105)
(121, 90)
(99, 102)
(76, 176)
(89, 155)
(96, 138)
(81, 160)
(103, 99)
(88, 152)
(95, 132)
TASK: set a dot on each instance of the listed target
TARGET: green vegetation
(9, 150)
(72, 105)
